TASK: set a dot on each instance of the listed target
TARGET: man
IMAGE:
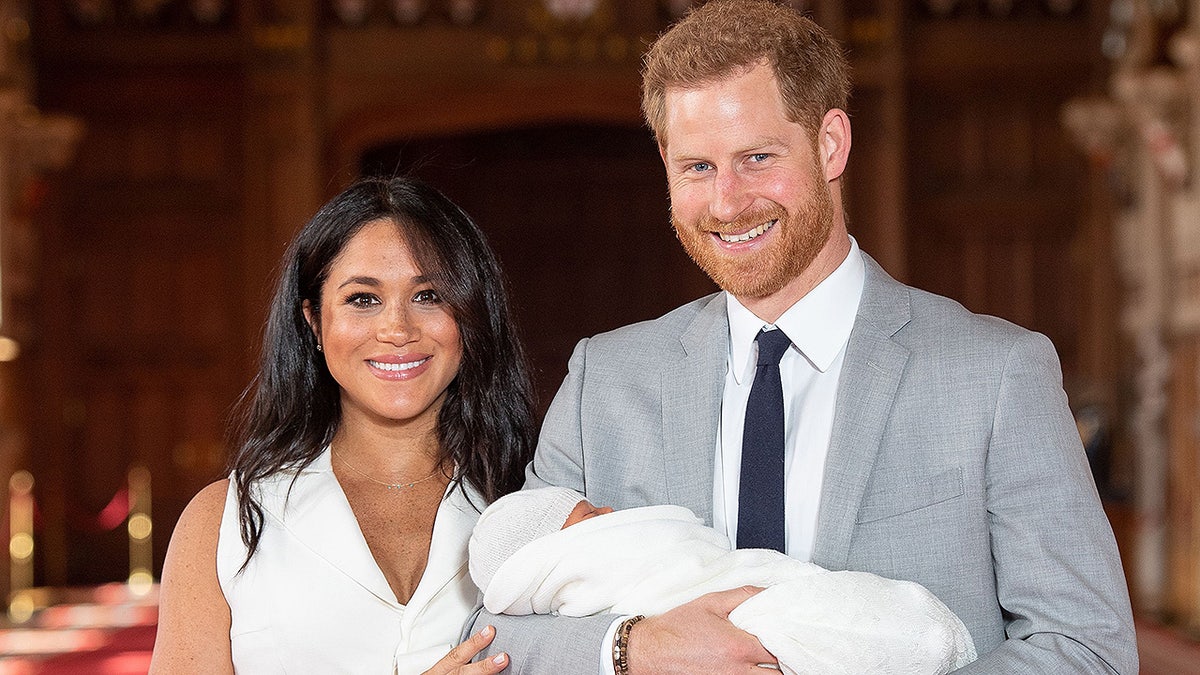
(918, 441)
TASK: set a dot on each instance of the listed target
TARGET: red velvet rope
(109, 518)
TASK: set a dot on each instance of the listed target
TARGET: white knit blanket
(651, 559)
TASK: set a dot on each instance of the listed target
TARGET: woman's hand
(458, 660)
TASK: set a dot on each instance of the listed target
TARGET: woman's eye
(427, 297)
(362, 300)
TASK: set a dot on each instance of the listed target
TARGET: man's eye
(759, 157)
(700, 167)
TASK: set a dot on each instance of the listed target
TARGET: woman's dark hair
(291, 410)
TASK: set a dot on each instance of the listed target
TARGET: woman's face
(388, 339)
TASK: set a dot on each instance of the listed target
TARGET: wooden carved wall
(140, 351)
(998, 196)
(213, 136)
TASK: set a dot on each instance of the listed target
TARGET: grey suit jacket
(954, 462)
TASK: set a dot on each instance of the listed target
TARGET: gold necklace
(390, 486)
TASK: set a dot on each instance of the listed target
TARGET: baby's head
(584, 510)
(519, 518)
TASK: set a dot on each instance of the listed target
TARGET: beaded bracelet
(621, 645)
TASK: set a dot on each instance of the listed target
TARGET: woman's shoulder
(200, 522)
(194, 618)
(208, 502)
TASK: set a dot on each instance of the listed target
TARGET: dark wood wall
(996, 191)
(208, 144)
(140, 349)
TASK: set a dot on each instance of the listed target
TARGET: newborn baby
(550, 551)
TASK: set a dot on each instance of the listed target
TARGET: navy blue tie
(760, 491)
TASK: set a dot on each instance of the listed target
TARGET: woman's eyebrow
(362, 280)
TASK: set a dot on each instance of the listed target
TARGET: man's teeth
(747, 236)
(397, 366)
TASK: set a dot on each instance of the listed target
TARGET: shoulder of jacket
(666, 327)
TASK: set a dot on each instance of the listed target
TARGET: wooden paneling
(1181, 604)
(142, 279)
(876, 176)
(996, 194)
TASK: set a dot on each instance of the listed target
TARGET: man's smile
(748, 235)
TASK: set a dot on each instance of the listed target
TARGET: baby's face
(584, 510)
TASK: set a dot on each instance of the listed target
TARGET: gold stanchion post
(20, 546)
(141, 548)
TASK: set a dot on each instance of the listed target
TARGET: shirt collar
(818, 324)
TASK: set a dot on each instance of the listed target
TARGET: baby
(550, 551)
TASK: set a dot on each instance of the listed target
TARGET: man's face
(749, 198)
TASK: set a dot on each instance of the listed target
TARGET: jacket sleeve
(559, 456)
(1059, 579)
(551, 645)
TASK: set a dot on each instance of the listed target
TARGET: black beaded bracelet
(621, 645)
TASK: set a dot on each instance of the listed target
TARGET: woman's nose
(396, 327)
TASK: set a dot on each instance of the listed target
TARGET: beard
(800, 238)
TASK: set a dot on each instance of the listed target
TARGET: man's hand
(697, 638)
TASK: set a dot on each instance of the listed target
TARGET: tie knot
(771, 346)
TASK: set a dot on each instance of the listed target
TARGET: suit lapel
(691, 404)
(871, 373)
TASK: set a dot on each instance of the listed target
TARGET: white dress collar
(316, 501)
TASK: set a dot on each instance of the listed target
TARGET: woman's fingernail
(487, 631)
(499, 658)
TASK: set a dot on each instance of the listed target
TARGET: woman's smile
(404, 369)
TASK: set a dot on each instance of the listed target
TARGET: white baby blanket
(651, 559)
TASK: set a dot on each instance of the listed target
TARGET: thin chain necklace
(390, 486)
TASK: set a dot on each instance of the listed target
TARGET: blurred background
(1033, 159)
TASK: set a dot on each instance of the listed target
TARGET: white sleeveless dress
(312, 599)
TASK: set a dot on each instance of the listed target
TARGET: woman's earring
(318, 346)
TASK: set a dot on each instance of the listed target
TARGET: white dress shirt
(819, 327)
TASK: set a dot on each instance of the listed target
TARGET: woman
(391, 404)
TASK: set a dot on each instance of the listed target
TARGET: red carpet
(1165, 651)
(107, 631)
(99, 631)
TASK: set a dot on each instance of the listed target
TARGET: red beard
(800, 236)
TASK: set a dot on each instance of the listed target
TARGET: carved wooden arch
(425, 112)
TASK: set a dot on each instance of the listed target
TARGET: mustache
(744, 222)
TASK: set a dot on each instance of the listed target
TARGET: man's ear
(833, 143)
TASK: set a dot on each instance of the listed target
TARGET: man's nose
(730, 197)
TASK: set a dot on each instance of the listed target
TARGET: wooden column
(876, 180)
(284, 145)
(1182, 507)
(31, 145)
